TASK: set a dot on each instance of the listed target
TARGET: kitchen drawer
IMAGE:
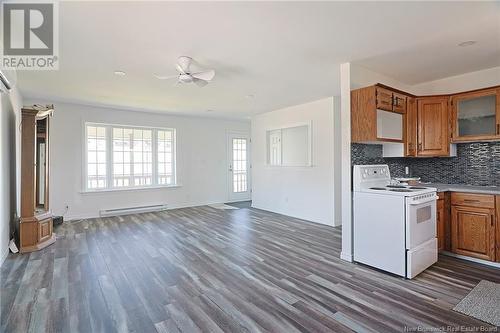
(473, 200)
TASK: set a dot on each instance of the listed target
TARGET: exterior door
(239, 166)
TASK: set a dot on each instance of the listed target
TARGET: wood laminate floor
(207, 270)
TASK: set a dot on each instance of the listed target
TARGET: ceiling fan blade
(200, 82)
(183, 64)
(165, 77)
(179, 69)
(205, 75)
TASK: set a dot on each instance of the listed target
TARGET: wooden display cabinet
(475, 116)
(35, 225)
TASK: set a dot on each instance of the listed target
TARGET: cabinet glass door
(477, 116)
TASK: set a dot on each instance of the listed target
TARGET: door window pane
(240, 182)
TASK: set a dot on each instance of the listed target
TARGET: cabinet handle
(471, 200)
(419, 147)
(498, 129)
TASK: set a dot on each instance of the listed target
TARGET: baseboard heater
(131, 210)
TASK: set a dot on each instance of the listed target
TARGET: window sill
(288, 166)
(141, 188)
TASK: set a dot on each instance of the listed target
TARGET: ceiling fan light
(185, 78)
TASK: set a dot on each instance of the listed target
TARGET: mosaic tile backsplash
(475, 164)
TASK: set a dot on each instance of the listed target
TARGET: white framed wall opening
(127, 157)
(290, 146)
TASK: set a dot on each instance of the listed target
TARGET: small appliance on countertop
(394, 225)
(408, 180)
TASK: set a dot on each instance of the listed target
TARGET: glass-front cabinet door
(476, 115)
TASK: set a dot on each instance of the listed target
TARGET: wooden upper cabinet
(411, 127)
(389, 100)
(473, 232)
(432, 127)
(476, 115)
(399, 103)
(384, 99)
(363, 115)
(375, 117)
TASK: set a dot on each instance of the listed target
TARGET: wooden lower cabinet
(497, 240)
(473, 232)
(440, 222)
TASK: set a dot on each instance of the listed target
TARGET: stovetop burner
(378, 188)
(417, 188)
(396, 186)
(400, 190)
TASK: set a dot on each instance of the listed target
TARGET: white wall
(303, 192)
(337, 160)
(345, 156)
(469, 81)
(10, 106)
(363, 77)
(201, 160)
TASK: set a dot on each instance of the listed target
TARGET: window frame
(109, 157)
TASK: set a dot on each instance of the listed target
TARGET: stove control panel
(366, 175)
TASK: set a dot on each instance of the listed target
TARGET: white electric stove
(394, 225)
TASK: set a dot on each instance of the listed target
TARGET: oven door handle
(426, 200)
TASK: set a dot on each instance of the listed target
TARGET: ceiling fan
(186, 76)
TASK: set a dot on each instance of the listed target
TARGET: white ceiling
(284, 53)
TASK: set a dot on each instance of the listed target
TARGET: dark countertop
(465, 188)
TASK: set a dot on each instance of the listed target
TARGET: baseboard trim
(242, 200)
(346, 256)
(330, 224)
(170, 207)
(479, 261)
(5, 253)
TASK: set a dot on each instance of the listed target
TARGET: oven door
(420, 219)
